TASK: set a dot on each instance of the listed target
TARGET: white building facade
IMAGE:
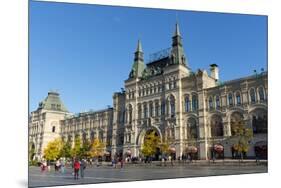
(183, 106)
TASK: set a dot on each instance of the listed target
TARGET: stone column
(203, 126)
(226, 128)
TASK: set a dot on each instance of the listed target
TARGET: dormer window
(53, 106)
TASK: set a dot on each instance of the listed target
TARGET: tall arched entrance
(259, 120)
(149, 139)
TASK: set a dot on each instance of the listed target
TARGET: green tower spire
(138, 65)
(178, 56)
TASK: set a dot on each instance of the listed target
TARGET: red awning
(218, 148)
(107, 153)
(172, 149)
(261, 144)
(192, 149)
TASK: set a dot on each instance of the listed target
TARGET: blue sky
(86, 51)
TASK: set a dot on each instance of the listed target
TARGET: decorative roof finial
(177, 32)
(139, 47)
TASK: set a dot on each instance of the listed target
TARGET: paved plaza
(105, 174)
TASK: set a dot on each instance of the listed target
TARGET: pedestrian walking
(76, 166)
(114, 163)
(171, 160)
(43, 166)
(62, 166)
(83, 165)
(122, 162)
(49, 165)
(57, 165)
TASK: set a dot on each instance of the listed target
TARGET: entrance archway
(149, 138)
(259, 120)
(216, 126)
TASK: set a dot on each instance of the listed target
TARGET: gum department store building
(165, 95)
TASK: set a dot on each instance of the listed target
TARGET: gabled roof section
(52, 102)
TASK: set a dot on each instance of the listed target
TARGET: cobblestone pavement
(107, 174)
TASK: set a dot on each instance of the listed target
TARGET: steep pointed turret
(138, 65)
(177, 55)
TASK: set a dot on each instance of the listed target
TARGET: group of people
(117, 160)
(59, 165)
(78, 166)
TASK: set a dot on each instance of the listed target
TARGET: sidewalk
(218, 162)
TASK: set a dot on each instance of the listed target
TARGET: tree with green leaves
(66, 149)
(53, 150)
(97, 148)
(243, 137)
(85, 149)
(31, 152)
(75, 151)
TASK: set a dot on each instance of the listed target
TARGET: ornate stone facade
(165, 95)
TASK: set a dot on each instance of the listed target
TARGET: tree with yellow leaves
(97, 148)
(244, 136)
(53, 149)
(150, 144)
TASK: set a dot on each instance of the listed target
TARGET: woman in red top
(76, 169)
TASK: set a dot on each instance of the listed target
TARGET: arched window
(150, 109)
(69, 139)
(238, 98)
(175, 84)
(126, 115)
(230, 99)
(156, 108)
(130, 113)
(163, 107)
(210, 103)
(170, 85)
(100, 134)
(54, 129)
(145, 110)
(139, 111)
(194, 103)
(84, 137)
(261, 94)
(217, 102)
(191, 129)
(216, 126)
(159, 87)
(139, 92)
(252, 95)
(259, 121)
(172, 105)
(187, 103)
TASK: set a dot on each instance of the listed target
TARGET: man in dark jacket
(83, 165)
